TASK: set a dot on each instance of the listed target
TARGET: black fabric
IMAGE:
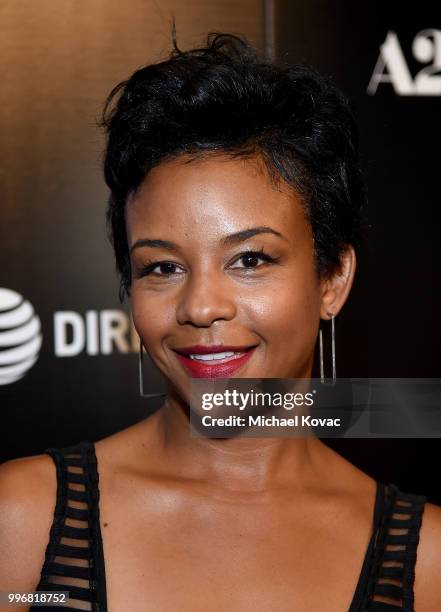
(393, 564)
(358, 600)
(74, 559)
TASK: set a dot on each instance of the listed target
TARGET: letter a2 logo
(426, 47)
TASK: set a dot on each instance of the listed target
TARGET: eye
(250, 259)
(166, 268)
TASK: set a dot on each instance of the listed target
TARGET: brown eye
(159, 268)
(251, 259)
(166, 267)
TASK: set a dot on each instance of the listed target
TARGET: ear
(336, 287)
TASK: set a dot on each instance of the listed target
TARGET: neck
(244, 464)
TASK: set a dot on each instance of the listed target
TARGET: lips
(210, 366)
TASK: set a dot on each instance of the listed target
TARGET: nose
(205, 298)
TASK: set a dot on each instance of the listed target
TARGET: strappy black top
(74, 559)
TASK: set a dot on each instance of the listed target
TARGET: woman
(235, 211)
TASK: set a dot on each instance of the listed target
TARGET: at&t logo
(20, 337)
(95, 333)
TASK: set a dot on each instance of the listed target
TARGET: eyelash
(148, 269)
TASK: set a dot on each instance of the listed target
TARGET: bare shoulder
(128, 448)
(428, 565)
(27, 502)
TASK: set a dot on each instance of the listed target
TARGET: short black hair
(226, 98)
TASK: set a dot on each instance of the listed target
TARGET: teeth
(211, 356)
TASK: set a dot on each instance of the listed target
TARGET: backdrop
(68, 365)
(389, 63)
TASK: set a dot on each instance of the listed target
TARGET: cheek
(152, 318)
(288, 319)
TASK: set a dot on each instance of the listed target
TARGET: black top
(388, 569)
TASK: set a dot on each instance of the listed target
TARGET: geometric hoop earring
(141, 381)
(322, 370)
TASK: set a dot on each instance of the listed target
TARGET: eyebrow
(229, 240)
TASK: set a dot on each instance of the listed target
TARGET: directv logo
(20, 337)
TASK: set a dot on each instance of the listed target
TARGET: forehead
(211, 197)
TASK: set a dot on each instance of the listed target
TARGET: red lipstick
(224, 367)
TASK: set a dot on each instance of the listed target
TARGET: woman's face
(194, 281)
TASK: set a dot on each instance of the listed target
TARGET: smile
(200, 363)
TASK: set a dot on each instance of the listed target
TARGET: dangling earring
(322, 375)
(337, 398)
(141, 383)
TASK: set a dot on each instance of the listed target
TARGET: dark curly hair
(225, 98)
